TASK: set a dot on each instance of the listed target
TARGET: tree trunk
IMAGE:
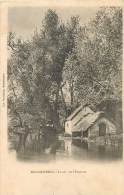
(22, 141)
(63, 99)
(56, 107)
(19, 143)
(22, 136)
(72, 96)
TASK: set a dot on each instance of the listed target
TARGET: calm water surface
(67, 148)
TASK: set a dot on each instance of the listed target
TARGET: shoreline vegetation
(61, 67)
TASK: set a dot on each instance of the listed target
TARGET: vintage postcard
(61, 108)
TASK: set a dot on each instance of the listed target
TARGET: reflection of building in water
(68, 146)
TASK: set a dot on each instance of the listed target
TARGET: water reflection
(54, 148)
(68, 146)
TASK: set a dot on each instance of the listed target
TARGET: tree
(97, 58)
(35, 75)
(57, 41)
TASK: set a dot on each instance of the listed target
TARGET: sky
(24, 20)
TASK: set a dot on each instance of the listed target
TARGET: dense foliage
(93, 70)
(82, 61)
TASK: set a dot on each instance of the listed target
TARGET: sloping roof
(74, 113)
(87, 121)
(80, 110)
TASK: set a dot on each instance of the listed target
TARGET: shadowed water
(61, 148)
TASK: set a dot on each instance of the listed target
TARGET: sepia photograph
(64, 80)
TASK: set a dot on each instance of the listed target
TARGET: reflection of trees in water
(49, 139)
(46, 143)
(79, 143)
(48, 146)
